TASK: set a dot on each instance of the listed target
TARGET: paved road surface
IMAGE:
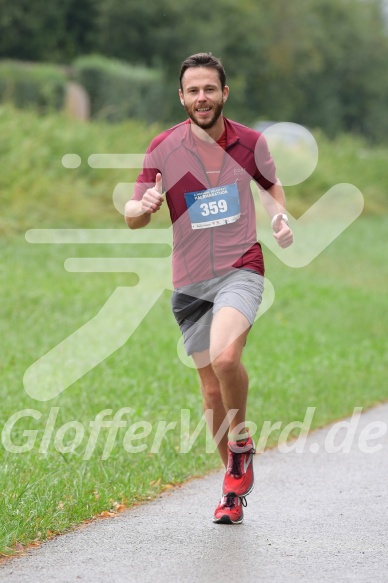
(312, 517)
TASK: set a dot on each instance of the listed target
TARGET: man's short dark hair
(203, 60)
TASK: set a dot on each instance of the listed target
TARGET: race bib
(213, 207)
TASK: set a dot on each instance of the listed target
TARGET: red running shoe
(230, 509)
(239, 473)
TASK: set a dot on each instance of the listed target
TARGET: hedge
(38, 86)
(118, 91)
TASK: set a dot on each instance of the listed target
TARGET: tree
(53, 31)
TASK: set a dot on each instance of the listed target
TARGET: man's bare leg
(212, 400)
(224, 380)
(227, 339)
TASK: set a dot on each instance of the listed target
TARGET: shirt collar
(231, 136)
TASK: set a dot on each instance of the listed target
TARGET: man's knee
(226, 363)
(211, 393)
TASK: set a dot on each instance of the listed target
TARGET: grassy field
(39, 192)
(322, 344)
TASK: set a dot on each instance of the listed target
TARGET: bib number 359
(213, 208)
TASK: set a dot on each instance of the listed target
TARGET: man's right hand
(152, 199)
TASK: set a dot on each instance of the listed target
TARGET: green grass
(346, 159)
(37, 191)
(322, 344)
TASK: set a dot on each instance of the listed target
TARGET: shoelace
(235, 468)
(230, 500)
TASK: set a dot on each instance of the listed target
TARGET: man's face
(202, 96)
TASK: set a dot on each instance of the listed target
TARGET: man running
(205, 166)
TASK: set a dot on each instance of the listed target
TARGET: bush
(32, 85)
(118, 91)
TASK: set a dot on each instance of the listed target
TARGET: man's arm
(138, 212)
(271, 192)
(274, 202)
(135, 217)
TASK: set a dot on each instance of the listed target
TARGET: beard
(206, 125)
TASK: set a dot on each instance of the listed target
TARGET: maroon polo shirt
(200, 254)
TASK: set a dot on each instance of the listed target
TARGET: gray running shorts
(194, 305)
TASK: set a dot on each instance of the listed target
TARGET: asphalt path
(314, 516)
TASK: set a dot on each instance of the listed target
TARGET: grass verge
(323, 344)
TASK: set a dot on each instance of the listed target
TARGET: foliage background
(321, 63)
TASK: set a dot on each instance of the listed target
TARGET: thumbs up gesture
(153, 198)
(282, 231)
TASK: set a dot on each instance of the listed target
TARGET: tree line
(316, 62)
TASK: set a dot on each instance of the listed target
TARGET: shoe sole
(227, 520)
